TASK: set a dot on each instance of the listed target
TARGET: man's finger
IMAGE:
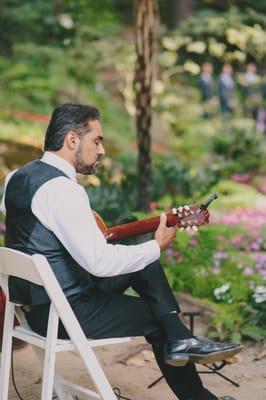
(163, 219)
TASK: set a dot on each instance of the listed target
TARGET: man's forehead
(95, 126)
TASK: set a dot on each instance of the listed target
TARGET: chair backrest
(36, 269)
(15, 263)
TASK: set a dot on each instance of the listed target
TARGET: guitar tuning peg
(181, 229)
(188, 228)
(187, 208)
(195, 228)
(180, 209)
(174, 211)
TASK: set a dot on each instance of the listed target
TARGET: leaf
(196, 47)
(167, 59)
(136, 362)
(235, 337)
(169, 43)
(192, 67)
(260, 356)
(254, 332)
(148, 355)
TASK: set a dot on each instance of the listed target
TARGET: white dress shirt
(63, 206)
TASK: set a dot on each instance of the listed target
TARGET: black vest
(26, 233)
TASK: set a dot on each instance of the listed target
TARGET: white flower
(220, 291)
(260, 290)
(66, 21)
(259, 294)
(225, 287)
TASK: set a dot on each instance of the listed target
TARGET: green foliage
(55, 45)
(234, 194)
(22, 21)
(55, 23)
(239, 148)
(233, 36)
(208, 267)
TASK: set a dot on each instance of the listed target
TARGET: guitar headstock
(191, 216)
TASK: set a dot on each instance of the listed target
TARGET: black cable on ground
(117, 392)
(13, 375)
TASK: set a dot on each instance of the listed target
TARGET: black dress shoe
(197, 350)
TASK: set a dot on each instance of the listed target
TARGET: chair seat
(24, 332)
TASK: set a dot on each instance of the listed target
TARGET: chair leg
(50, 354)
(98, 376)
(58, 387)
(6, 351)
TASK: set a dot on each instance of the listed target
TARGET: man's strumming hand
(163, 234)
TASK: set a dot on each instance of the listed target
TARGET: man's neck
(59, 161)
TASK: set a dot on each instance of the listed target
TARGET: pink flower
(193, 242)
(242, 178)
(179, 257)
(237, 240)
(2, 228)
(153, 206)
(248, 271)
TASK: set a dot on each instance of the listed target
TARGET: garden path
(131, 367)
(134, 377)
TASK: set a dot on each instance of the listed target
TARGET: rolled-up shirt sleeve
(63, 207)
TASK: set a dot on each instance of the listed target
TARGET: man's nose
(101, 150)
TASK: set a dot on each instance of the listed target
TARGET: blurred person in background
(250, 82)
(206, 85)
(226, 90)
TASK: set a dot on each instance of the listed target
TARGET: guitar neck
(139, 227)
(186, 217)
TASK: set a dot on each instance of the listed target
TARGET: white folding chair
(36, 269)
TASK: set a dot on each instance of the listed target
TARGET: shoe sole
(179, 360)
(214, 357)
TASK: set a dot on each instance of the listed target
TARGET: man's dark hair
(65, 118)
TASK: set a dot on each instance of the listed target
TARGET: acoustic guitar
(185, 217)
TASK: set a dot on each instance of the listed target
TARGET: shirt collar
(60, 163)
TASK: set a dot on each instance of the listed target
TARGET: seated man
(48, 212)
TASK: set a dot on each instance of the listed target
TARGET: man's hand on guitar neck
(163, 234)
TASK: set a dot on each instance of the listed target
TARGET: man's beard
(85, 169)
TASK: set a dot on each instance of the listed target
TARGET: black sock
(174, 328)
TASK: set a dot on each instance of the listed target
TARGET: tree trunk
(58, 6)
(146, 16)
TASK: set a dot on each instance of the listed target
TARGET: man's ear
(72, 140)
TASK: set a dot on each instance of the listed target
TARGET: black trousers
(107, 312)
